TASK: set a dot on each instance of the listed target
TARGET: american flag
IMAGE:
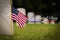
(18, 17)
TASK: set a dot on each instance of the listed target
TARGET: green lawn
(34, 32)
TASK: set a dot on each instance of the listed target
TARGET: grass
(34, 32)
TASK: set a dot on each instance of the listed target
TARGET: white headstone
(45, 21)
(31, 17)
(38, 19)
(23, 11)
(6, 24)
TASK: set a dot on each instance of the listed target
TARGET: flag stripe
(17, 19)
(22, 19)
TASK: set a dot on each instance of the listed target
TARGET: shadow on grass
(6, 37)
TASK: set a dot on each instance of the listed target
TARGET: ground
(34, 32)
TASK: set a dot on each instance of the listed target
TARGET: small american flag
(18, 17)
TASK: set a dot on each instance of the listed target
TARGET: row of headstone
(36, 19)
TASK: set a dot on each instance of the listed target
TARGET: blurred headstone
(52, 22)
(45, 21)
(53, 19)
(23, 11)
(38, 19)
(6, 24)
(31, 18)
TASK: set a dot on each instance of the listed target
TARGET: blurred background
(45, 8)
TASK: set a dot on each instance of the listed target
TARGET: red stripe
(20, 19)
(23, 18)
(14, 17)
